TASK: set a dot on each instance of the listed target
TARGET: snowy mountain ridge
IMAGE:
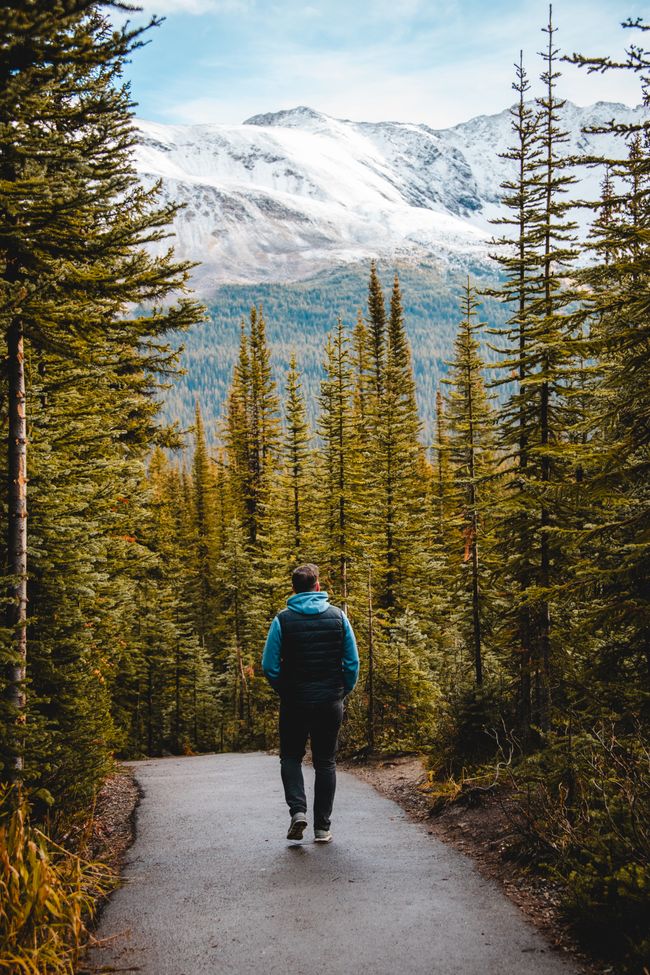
(290, 193)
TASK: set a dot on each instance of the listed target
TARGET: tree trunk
(473, 514)
(177, 699)
(16, 543)
(476, 610)
(371, 694)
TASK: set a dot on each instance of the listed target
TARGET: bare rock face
(291, 193)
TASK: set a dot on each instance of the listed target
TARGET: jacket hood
(308, 603)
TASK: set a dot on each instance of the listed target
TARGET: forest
(494, 570)
(308, 309)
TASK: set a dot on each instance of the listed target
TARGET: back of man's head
(305, 577)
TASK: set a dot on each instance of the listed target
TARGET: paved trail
(213, 887)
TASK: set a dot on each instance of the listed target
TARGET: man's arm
(350, 657)
(271, 655)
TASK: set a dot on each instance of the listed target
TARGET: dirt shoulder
(112, 829)
(483, 832)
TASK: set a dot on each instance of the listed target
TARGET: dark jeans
(321, 723)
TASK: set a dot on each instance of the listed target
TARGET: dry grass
(48, 895)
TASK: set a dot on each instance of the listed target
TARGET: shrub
(47, 895)
(466, 729)
(583, 809)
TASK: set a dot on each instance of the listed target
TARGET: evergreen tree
(550, 351)
(612, 552)
(377, 327)
(203, 490)
(360, 356)
(296, 463)
(73, 223)
(471, 438)
(338, 492)
(539, 349)
(253, 425)
(518, 257)
(394, 459)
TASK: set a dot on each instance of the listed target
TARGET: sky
(438, 62)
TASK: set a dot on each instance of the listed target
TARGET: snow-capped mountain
(288, 194)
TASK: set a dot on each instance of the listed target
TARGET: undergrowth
(48, 895)
(579, 808)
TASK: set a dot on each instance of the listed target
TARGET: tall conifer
(471, 436)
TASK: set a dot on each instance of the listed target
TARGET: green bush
(467, 733)
(583, 804)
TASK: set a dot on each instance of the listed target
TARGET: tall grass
(48, 895)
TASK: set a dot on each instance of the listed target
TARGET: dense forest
(298, 317)
(494, 569)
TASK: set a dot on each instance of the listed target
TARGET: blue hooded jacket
(309, 603)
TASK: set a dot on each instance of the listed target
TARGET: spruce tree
(338, 492)
(296, 455)
(360, 360)
(377, 327)
(471, 438)
(612, 549)
(203, 524)
(539, 349)
(518, 258)
(394, 458)
(73, 223)
(550, 351)
(253, 423)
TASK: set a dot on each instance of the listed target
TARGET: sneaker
(322, 836)
(297, 827)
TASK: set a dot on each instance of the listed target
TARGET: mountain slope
(289, 194)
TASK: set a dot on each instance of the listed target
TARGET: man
(310, 658)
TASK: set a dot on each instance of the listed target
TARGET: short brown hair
(305, 577)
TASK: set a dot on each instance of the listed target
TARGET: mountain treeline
(308, 308)
(496, 581)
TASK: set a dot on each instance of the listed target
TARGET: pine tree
(377, 328)
(549, 349)
(518, 257)
(203, 523)
(394, 458)
(360, 356)
(612, 548)
(390, 537)
(471, 438)
(338, 493)
(73, 222)
(539, 348)
(253, 425)
(296, 461)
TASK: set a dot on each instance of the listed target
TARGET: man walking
(310, 658)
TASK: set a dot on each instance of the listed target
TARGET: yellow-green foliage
(584, 802)
(47, 895)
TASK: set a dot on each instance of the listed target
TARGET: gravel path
(212, 886)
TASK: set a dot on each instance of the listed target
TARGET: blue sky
(433, 61)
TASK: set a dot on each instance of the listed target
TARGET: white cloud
(430, 65)
(193, 7)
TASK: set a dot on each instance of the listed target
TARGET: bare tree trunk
(150, 710)
(476, 607)
(177, 698)
(194, 701)
(473, 516)
(16, 544)
(371, 694)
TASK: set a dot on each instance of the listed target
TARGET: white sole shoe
(322, 836)
(297, 827)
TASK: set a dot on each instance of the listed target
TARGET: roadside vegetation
(495, 571)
